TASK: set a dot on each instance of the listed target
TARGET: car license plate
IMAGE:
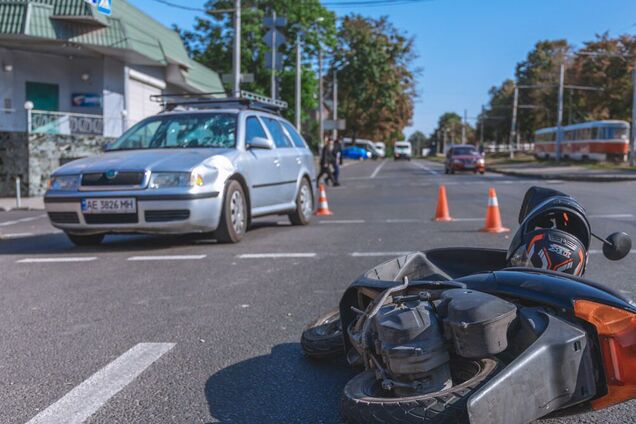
(122, 205)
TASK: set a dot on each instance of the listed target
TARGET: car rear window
(277, 132)
(296, 138)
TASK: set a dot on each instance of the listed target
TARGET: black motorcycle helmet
(554, 233)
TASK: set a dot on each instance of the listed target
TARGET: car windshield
(216, 130)
(460, 151)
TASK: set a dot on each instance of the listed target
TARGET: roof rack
(246, 100)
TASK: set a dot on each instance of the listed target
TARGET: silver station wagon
(203, 166)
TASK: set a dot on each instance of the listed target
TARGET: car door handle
(299, 161)
(277, 162)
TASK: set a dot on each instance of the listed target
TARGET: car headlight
(481, 161)
(175, 179)
(64, 182)
(368, 154)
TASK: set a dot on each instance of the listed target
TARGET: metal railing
(64, 123)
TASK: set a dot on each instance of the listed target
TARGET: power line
(372, 3)
(193, 9)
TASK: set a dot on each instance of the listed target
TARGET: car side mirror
(260, 143)
(619, 246)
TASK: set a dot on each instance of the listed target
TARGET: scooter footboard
(554, 372)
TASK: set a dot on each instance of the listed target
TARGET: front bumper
(174, 213)
(468, 167)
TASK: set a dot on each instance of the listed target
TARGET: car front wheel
(304, 205)
(234, 215)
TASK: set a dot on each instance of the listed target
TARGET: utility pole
(632, 144)
(298, 81)
(560, 112)
(236, 62)
(481, 127)
(274, 51)
(334, 133)
(321, 122)
(513, 125)
(464, 126)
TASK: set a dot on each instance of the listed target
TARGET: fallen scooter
(458, 336)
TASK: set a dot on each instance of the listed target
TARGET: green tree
(376, 83)
(210, 42)
(419, 141)
(449, 128)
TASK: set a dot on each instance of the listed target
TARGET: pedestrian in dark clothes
(327, 158)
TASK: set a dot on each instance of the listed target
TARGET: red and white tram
(596, 140)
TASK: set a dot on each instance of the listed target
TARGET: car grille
(64, 217)
(120, 179)
(111, 218)
(167, 215)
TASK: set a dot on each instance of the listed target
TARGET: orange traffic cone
(493, 217)
(323, 206)
(442, 213)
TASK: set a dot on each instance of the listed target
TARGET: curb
(20, 209)
(566, 177)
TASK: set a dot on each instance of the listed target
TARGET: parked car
(464, 157)
(368, 145)
(188, 171)
(356, 153)
(402, 150)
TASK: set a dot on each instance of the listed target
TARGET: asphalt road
(182, 330)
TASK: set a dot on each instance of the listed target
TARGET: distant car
(464, 157)
(356, 153)
(402, 150)
(188, 171)
(381, 148)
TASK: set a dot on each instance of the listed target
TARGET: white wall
(51, 69)
(114, 100)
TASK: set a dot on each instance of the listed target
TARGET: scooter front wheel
(323, 338)
(366, 402)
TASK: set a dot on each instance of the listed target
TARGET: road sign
(278, 64)
(103, 6)
(330, 125)
(229, 78)
(274, 21)
(274, 39)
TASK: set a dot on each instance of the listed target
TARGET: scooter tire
(364, 402)
(323, 338)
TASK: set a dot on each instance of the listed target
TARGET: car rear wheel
(304, 205)
(86, 240)
(234, 215)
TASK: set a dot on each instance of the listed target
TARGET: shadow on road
(58, 243)
(282, 387)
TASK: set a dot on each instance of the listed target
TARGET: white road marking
(378, 168)
(468, 219)
(599, 252)
(167, 258)
(615, 215)
(343, 221)
(57, 260)
(402, 221)
(15, 235)
(84, 400)
(426, 168)
(374, 254)
(276, 255)
(18, 221)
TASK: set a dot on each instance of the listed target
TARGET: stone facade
(34, 157)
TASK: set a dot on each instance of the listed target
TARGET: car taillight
(616, 330)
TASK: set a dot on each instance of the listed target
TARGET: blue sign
(86, 100)
(103, 6)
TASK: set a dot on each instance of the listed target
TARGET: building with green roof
(66, 59)
(72, 79)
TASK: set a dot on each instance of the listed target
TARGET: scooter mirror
(620, 244)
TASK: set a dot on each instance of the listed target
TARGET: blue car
(356, 153)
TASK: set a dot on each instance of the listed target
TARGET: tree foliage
(376, 83)
(605, 64)
(211, 42)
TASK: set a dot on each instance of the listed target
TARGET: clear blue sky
(467, 46)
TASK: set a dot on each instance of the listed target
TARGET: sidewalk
(27, 203)
(566, 172)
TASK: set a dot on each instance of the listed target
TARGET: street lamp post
(298, 81)
(321, 122)
(236, 68)
(334, 133)
(560, 112)
(513, 125)
(633, 140)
